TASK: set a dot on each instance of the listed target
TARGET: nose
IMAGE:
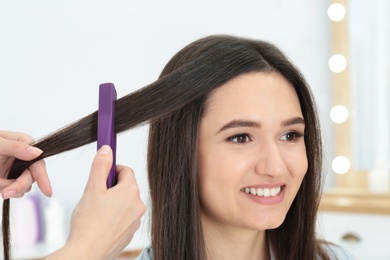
(270, 160)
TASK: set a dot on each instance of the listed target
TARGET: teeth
(275, 191)
(266, 192)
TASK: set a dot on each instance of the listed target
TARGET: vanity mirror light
(360, 66)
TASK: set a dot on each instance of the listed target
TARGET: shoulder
(337, 252)
(146, 254)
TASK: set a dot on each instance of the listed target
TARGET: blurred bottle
(26, 219)
(55, 234)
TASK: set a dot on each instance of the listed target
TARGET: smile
(263, 192)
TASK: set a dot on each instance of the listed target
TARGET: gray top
(334, 251)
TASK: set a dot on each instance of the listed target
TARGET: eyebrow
(239, 123)
(293, 121)
(249, 123)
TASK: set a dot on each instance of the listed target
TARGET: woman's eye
(291, 136)
(240, 138)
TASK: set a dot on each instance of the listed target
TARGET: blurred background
(54, 55)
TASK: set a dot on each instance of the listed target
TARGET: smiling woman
(261, 149)
(234, 154)
(251, 169)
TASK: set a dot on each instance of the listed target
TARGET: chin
(276, 225)
(270, 224)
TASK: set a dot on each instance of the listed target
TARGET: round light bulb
(337, 63)
(339, 114)
(336, 12)
(341, 164)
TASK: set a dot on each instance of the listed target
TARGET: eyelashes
(292, 136)
(242, 138)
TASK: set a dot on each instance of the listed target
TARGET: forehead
(260, 92)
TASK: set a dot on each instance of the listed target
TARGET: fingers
(100, 168)
(17, 145)
(36, 172)
(5, 183)
(18, 149)
(106, 218)
(39, 174)
(125, 174)
(19, 186)
(127, 181)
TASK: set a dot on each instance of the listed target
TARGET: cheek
(300, 167)
(222, 164)
(297, 163)
(206, 173)
(219, 172)
(297, 167)
(209, 179)
(211, 168)
(303, 163)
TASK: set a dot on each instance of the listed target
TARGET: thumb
(100, 169)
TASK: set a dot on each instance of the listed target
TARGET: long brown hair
(173, 106)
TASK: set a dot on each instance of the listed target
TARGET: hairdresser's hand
(17, 145)
(105, 220)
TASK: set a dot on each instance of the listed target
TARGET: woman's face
(252, 155)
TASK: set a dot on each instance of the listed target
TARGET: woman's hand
(17, 145)
(105, 220)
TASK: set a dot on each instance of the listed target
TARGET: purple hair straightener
(106, 127)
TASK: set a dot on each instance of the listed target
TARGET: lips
(263, 192)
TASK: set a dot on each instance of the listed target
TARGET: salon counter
(355, 201)
(357, 220)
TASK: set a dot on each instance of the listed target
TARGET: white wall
(54, 54)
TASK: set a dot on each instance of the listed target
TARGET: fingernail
(105, 149)
(34, 151)
(9, 194)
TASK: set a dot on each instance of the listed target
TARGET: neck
(224, 242)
